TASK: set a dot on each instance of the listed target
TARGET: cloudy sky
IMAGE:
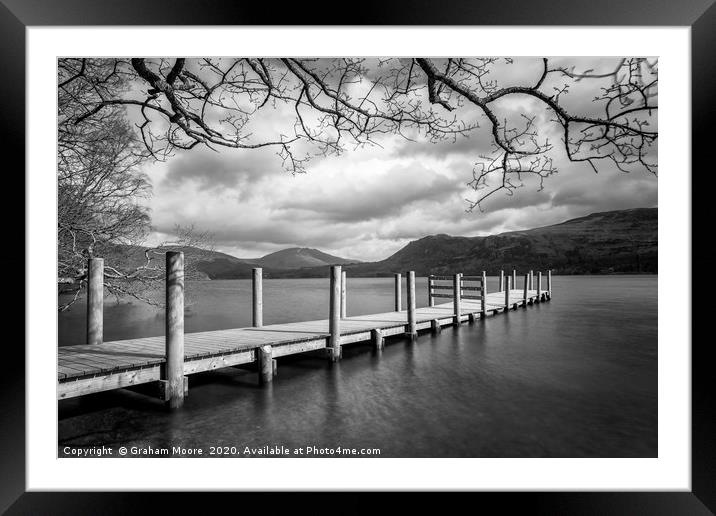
(368, 203)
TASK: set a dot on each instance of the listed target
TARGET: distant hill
(300, 257)
(216, 265)
(622, 241)
(206, 264)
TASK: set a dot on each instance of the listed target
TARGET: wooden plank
(218, 362)
(298, 347)
(444, 295)
(68, 371)
(83, 386)
(86, 365)
(356, 337)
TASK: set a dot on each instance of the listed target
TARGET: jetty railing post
(174, 320)
(398, 292)
(539, 286)
(95, 300)
(431, 299)
(502, 281)
(412, 326)
(514, 278)
(334, 321)
(507, 294)
(527, 284)
(258, 295)
(549, 284)
(456, 286)
(344, 309)
(483, 295)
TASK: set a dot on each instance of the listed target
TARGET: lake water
(574, 377)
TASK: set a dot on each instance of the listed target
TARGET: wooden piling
(398, 292)
(377, 338)
(334, 320)
(527, 283)
(514, 278)
(344, 309)
(507, 294)
(502, 281)
(95, 300)
(549, 284)
(266, 364)
(532, 277)
(456, 284)
(174, 331)
(431, 299)
(539, 286)
(435, 326)
(483, 295)
(258, 297)
(412, 325)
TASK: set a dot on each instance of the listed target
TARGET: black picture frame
(700, 15)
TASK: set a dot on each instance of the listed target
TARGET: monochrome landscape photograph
(357, 257)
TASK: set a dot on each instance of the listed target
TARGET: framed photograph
(273, 250)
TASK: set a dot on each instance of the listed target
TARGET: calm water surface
(575, 377)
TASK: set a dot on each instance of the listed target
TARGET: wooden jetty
(168, 361)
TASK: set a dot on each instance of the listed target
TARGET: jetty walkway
(168, 360)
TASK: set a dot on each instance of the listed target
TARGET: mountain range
(623, 241)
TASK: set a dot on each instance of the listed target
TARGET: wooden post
(483, 295)
(334, 321)
(456, 284)
(378, 339)
(549, 284)
(174, 335)
(258, 297)
(514, 278)
(95, 300)
(539, 286)
(398, 292)
(435, 326)
(431, 299)
(507, 294)
(344, 309)
(527, 283)
(532, 277)
(502, 281)
(412, 326)
(266, 364)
